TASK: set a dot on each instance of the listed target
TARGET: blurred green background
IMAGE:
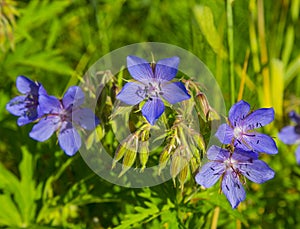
(55, 42)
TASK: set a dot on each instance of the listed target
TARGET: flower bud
(183, 175)
(144, 154)
(163, 159)
(128, 160)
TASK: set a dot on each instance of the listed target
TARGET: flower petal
(233, 189)
(153, 109)
(74, 96)
(69, 139)
(132, 93)
(26, 85)
(260, 143)
(16, 106)
(298, 155)
(257, 171)
(238, 112)
(45, 128)
(166, 69)
(174, 92)
(288, 135)
(86, 118)
(224, 134)
(215, 153)
(49, 104)
(210, 174)
(294, 117)
(259, 118)
(139, 69)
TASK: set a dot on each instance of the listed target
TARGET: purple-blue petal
(288, 135)
(16, 106)
(297, 154)
(243, 156)
(74, 96)
(174, 92)
(224, 134)
(132, 93)
(86, 118)
(233, 189)
(257, 171)
(69, 139)
(210, 173)
(166, 69)
(218, 154)
(26, 85)
(45, 128)
(139, 69)
(260, 143)
(49, 104)
(153, 109)
(294, 117)
(238, 112)
(258, 118)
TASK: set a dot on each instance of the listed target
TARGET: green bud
(194, 164)
(163, 159)
(144, 154)
(183, 175)
(199, 141)
(119, 154)
(128, 160)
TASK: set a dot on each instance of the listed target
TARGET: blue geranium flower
(152, 84)
(232, 168)
(291, 134)
(26, 106)
(241, 123)
(62, 115)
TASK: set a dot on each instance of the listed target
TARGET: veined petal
(139, 69)
(69, 139)
(233, 189)
(45, 128)
(238, 112)
(23, 120)
(244, 156)
(166, 69)
(257, 171)
(260, 143)
(210, 173)
(26, 85)
(132, 93)
(49, 104)
(258, 118)
(16, 106)
(298, 155)
(174, 92)
(74, 96)
(153, 109)
(224, 134)
(215, 153)
(86, 118)
(288, 135)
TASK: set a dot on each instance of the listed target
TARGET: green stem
(231, 50)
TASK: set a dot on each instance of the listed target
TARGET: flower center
(237, 132)
(151, 90)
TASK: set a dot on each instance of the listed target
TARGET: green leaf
(205, 19)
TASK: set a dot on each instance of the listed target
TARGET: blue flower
(291, 134)
(232, 168)
(152, 84)
(241, 123)
(62, 115)
(26, 106)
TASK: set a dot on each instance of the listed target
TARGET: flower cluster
(153, 84)
(240, 158)
(52, 114)
(291, 134)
